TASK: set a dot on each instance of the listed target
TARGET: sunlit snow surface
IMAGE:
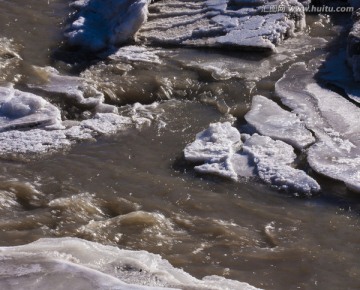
(71, 263)
(224, 155)
(100, 24)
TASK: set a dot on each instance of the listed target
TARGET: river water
(134, 189)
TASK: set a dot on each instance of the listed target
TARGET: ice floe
(331, 118)
(271, 120)
(273, 161)
(80, 264)
(222, 153)
(100, 24)
(20, 109)
(29, 124)
(214, 144)
(219, 23)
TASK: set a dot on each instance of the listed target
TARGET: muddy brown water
(134, 189)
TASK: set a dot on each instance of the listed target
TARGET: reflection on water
(136, 191)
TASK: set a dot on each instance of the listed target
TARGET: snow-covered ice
(20, 110)
(273, 161)
(221, 153)
(79, 263)
(271, 120)
(100, 24)
(213, 144)
(31, 125)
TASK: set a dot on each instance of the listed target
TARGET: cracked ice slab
(332, 118)
(221, 23)
(218, 148)
(273, 161)
(271, 120)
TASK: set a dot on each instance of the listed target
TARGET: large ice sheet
(103, 23)
(271, 120)
(222, 23)
(273, 161)
(332, 119)
(20, 109)
(71, 263)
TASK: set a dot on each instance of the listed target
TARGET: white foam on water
(75, 263)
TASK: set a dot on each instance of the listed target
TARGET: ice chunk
(102, 23)
(20, 109)
(270, 160)
(273, 161)
(271, 120)
(83, 264)
(222, 168)
(81, 92)
(213, 144)
(134, 53)
(332, 118)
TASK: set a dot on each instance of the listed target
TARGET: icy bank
(99, 24)
(332, 119)
(353, 48)
(222, 153)
(221, 23)
(72, 263)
